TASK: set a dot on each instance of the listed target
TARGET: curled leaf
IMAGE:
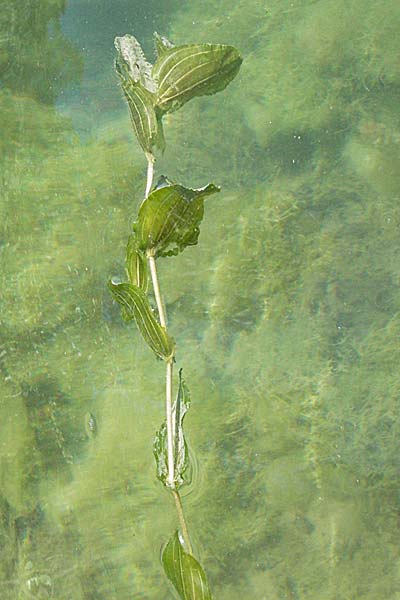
(169, 218)
(136, 264)
(181, 452)
(135, 305)
(183, 72)
(140, 92)
(184, 571)
(131, 58)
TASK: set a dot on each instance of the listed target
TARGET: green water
(286, 314)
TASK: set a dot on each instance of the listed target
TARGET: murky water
(286, 315)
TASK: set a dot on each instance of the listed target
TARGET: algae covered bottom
(289, 329)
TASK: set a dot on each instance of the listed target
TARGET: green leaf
(146, 124)
(136, 264)
(140, 92)
(181, 452)
(135, 305)
(183, 72)
(184, 571)
(169, 218)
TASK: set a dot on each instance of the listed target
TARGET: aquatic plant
(298, 362)
(168, 221)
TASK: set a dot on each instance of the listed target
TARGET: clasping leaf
(184, 571)
(181, 452)
(183, 72)
(169, 218)
(135, 305)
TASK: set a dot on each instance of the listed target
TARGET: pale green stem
(181, 516)
(150, 172)
(157, 293)
(168, 384)
(170, 433)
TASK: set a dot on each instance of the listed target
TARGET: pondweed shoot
(168, 221)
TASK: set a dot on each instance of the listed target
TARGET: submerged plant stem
(182, 522)
(150, 173)
(157, 293)
(168, 387)
(170, 436)
(168, 411)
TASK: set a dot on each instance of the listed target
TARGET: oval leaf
(169, 218)
(139, 89)
(136, 264)
(183, 72)
(135, 305)
(184, 571)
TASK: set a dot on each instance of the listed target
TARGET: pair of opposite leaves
(179, 74)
